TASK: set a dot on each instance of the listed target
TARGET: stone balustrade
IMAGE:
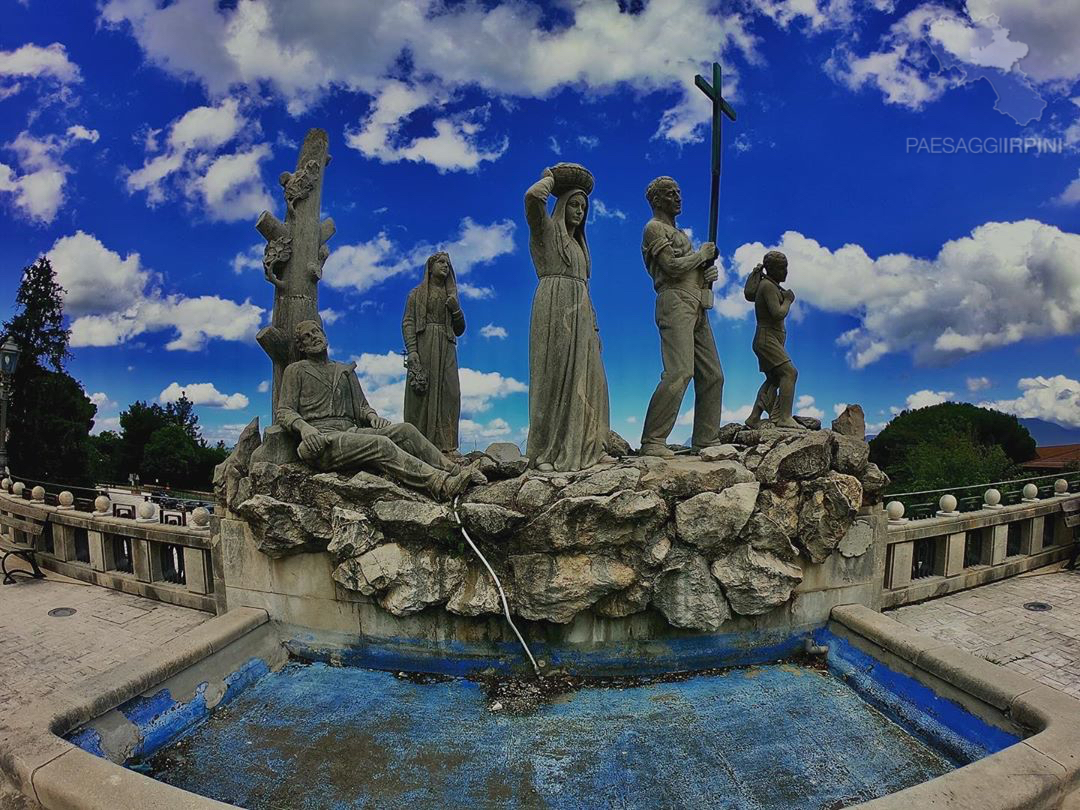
(953, 551)
(140, 555)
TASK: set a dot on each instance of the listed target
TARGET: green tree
(49, 415)
(950, 445)
(105, 449)
(137, 424)
(169, 457)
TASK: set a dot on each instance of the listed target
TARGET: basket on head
(570, 176)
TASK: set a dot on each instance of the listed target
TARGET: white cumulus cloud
(224, 185)
(977, 383)
(367, 264)
(925, 398)
(37, 186)
(113, 299)
(203, 394)
(1056, 399)
(490, 330)
(804, 406)
(34, 62)
(1003, 283)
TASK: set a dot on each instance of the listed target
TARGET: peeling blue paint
(159, 719)
(951, 728)
(652, 657)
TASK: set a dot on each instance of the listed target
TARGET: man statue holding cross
(683, 279)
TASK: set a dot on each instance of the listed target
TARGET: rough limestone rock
(237, 461)
(624, 603)
(499, 493)
(558, 587)
(408, 580)
(827, 508)
(603, 483)
(774, 522)
(509, 463)
(805, 457)
(852, 422)
(755, 582)
(808, 422)
(873, 482)
(415, 521)
(535, 495)
(658, 551)
(712, 520)
(476, 595)
(353, 534)
(690, 597)
(722, 452)
(683, 477)
(486, 521)
(281, 528)
(595, 520)
(278, 447)
(852, 455)
(617, 446)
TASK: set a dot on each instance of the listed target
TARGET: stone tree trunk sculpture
(295, 253)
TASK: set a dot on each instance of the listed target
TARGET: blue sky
(140, 140)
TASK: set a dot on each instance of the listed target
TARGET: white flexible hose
(498, 585)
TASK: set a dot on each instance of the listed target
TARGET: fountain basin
(800, 736)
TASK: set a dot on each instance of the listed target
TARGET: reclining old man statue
(321, 401)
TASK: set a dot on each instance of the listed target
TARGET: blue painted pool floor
(777, 736)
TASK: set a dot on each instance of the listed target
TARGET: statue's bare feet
(753, 422)
(545, 467)
(607, 459)
(456, 483)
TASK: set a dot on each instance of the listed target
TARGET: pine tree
(49, 415)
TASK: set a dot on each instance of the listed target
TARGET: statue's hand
(377, 421)
(313, 444)
(790, 295)
(708, 251)
(711, 274)
(547, 173)
(413, 360)
(452, 303)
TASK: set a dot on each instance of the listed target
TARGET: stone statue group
(321, 401)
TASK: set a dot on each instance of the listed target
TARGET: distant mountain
(1050, 433)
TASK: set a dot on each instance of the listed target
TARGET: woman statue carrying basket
(568, 395)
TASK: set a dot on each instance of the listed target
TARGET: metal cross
(719, 106)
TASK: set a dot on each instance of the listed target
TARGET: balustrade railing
(1015, 527)
(140, 547)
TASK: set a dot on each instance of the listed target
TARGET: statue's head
(438, 265)
(577, 206)
(775, 265)
(310, 338)
(664, 195)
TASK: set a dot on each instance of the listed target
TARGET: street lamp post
(9, 359)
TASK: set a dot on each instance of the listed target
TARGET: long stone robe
(432, 333)
(568, 393)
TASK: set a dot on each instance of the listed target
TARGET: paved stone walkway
(991, 621)
(40, 653)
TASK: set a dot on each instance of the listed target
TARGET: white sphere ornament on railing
(6, 484)
(200, 517)
(1061, 486)
(992, 499)
(38, 493)
(102, 504)
(17, 489)
(895, 511)
(146, 511)
(1031, 492)
(947, 504)
(65, 499)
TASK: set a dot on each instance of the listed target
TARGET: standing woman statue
(568, 394)
(432, 323)
(771, 304)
